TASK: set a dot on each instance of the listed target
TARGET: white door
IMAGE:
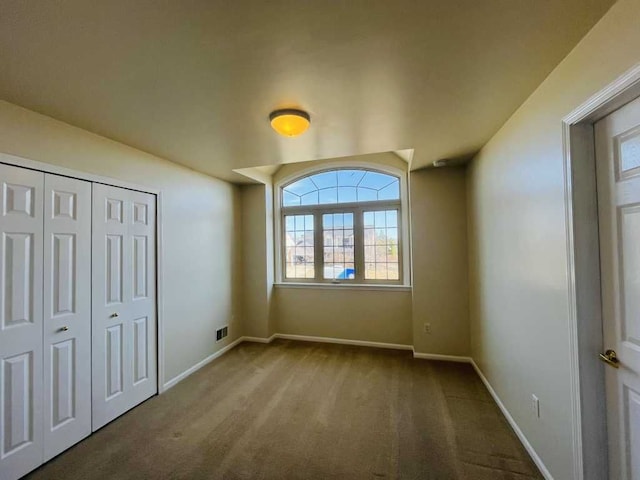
(124, 301)
(67, 313)
(618, 173)
(21, 225)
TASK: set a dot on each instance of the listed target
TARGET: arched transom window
(341, 186)
(342, 226)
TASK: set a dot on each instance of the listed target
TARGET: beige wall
(517, 241)
(257, 241)
(440, 270)
(201, 257)
(369, 315)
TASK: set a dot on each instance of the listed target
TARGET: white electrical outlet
(427, 328)
(535, 405)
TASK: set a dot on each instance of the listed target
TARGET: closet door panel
(67, 312)
(124, 316)
(21, 245)
(143, 295)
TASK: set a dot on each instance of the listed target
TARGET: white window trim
(403, 227)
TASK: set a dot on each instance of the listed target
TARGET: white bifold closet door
(21, 394)
(67, 312)
(45, 309)
(124, 301)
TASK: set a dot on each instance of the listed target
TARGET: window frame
(358, 209)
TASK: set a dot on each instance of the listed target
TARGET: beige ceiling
(194, 81)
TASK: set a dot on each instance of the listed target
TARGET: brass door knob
(64, 329)
(610, 357)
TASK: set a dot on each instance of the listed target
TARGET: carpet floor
(298, 410)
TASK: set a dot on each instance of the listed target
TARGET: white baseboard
(304, 338)
(307, 338)
(199, 365)
(343, 341)
(443, 358)
(259, 339)
(523, 439)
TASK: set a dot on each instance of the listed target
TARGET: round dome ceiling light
(290, 122)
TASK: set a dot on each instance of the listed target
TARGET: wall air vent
(221, 333)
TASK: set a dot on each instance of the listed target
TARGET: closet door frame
(67, 172)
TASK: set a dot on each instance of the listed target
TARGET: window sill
(344, 286)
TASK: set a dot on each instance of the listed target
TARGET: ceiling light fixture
(290, 122)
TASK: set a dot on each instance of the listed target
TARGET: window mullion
(318, 247)
(284, 246)
(358, 253)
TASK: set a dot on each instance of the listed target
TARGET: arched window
(342, 225)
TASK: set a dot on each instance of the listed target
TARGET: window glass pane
(392, 217)
(390, 192)
(348, 221)
(308, 251)
(381, 271)
(370, 270)
(376, 180)
(289, 199)
(381, 256)
(350, 178)
(310, 198)
(347, 194)
(368, 219)
(329, 195)
(393, 271)
(367, 194)
(299, 253)
(338, 243)
(369, 236)
(326, 179)
(301, 187)
(289, 223)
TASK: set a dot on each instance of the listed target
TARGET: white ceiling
(194, 80)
